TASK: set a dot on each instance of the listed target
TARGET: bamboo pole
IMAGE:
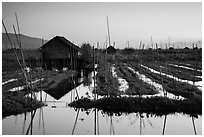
(94, 73)
(20, 46)
(108, 32)
(24, 64)
(28, 84)
(152, 43)
(140, 45)
(41, 77)
(105, 64)
(97, 64)
(75, 88)
(15, 52)
(169, 42)
(21, 53)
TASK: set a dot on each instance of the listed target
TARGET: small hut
(171, 48)
(186, 48)
(59, 53)
(111, 50)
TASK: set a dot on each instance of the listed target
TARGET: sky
(86, 22)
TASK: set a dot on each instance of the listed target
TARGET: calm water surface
(64, 120)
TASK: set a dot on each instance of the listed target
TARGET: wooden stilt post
(97, 65)
(94, 73)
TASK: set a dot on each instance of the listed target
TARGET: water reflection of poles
(97, 122)
(194, 126)
(42, 117)
(43, 123)
(75, 88)
(31, 129)
(31, 123)
(140, 125)
(46, 97)
(111, 126)
(75, 121)
(39, 119)
(24, 123)
(71, 95)
(164, 125)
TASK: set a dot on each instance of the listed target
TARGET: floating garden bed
(136, 85)
(175, 71)
(14, 103)
(114, 101)
(170, 85)
(156, 105)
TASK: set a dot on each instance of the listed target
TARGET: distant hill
(27, 42)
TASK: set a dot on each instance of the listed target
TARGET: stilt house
(59, 53)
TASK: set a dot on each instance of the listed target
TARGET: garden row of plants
(195, 72)
(136, 85)
(175, 71)
(170, 85)
(190, 63)
(112, 102)
(106, 84)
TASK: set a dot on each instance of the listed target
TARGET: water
(59, 119)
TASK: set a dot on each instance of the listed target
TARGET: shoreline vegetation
(154, 105)
(15, 103)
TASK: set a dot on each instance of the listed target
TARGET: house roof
(64, 40)
(110, 48)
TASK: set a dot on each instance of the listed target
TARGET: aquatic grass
(156, 105)
(15, 103)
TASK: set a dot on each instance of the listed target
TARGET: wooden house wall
(59, 54)
(59, 50)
